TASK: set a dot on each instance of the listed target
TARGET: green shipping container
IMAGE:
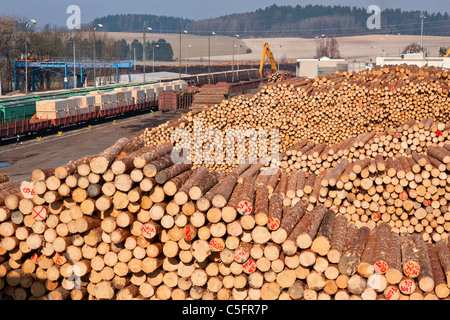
(17, 112)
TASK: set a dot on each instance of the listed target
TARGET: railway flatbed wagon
(75, 117)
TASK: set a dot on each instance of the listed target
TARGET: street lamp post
(422, 16)
(209, 53)
(184, 31)
(144, 47)
(95, 63)
(239, 57)
(279, 47)
(387, 45)
(232, 62)
(251, 65)
(29, 23)
(188, 46)
(157, 46)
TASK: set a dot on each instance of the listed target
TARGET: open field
(360, 48)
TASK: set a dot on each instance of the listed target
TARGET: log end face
(99, 165)
(304, 241)
(348, 264)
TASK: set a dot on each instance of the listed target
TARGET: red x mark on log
(37, 215)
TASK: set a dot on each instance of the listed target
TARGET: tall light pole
(387, 45)
(184, 31)
(28, 24)
(209, 53)
(239, 57)
(251, 65)
(232, 62)
(422, 16)
(278, 53)
(188, 46)
(95, 64)
(157, 46)
(144, 47)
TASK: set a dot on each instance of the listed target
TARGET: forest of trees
(162, 49)
(135, 23)
(302, 21)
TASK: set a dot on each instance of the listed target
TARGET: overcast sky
(54, 11)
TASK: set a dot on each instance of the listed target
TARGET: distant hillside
(301, 21)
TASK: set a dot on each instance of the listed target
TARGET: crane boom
(448, 53)
(268, 52)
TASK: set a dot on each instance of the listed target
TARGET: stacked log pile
(411, 193)
(329, 109)
(7, 189)
(410, 137)
(358, 208)
(129, 223)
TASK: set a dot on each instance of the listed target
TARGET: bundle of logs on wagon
(328, 109)
(129, 223)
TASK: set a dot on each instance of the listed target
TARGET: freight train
(35, 113)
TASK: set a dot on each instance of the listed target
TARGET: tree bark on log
(425, 277)
(322, 242)
(349, 261)
(101, 162)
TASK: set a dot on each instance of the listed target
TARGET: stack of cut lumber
(129, 223)
(209, 96)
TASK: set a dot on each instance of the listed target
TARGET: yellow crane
(268, 52)
(448, 53)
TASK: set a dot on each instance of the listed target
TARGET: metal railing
(77, 59)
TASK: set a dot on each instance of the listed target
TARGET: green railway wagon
(10, 113)
(24, 106)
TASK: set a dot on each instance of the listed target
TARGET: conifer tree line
(299, 21)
